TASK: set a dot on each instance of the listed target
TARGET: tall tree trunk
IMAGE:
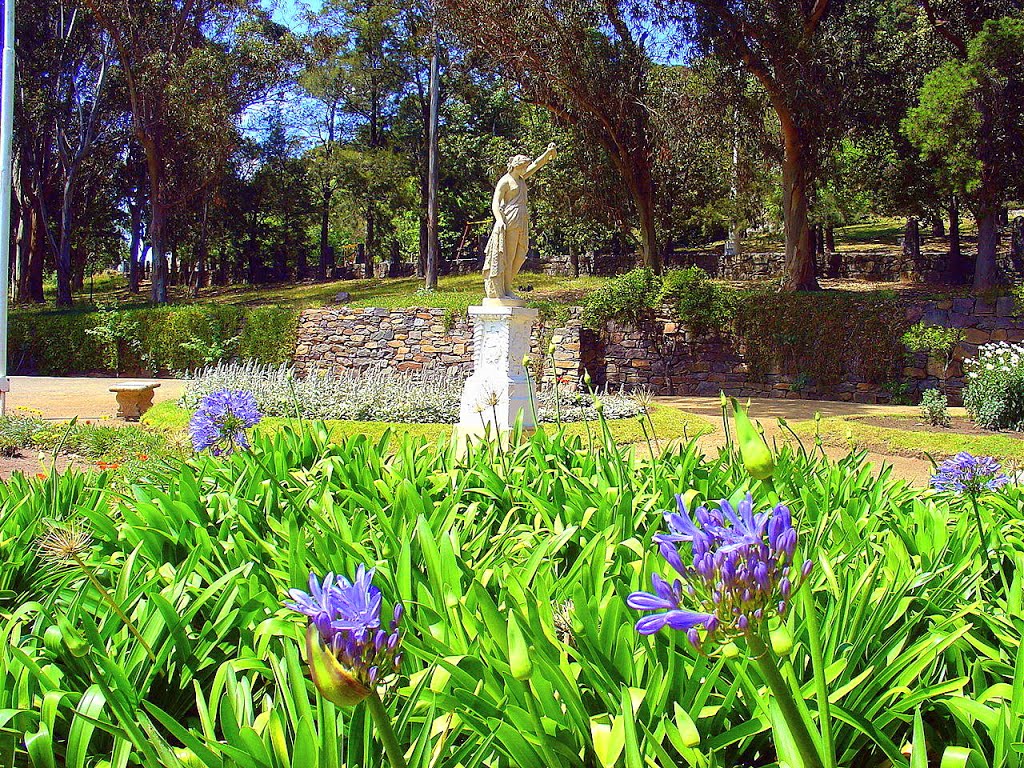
(799, 261)
(835, 259)
(37, 257)
(326, 260)
(202, 253)
(989, 206)
(21, 292)
(938, 226)
(985, 273)
(433, 243)
(63, 261)
(956, 264)
(135, 248)
(371, 238)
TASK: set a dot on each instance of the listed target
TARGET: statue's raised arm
(510, 237)
(548, 155)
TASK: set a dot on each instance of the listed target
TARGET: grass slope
(669, 424)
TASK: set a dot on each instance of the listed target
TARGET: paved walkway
(769, 410)
(85, 397)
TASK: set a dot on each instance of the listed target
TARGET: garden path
(86, 397)
(769, 410)
(90, 398)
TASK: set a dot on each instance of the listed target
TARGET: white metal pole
(6, 142)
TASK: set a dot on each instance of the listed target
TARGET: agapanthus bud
(757, 457)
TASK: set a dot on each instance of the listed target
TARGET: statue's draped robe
(515, 234)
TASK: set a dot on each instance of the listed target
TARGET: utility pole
(6, 141)
(433, 246)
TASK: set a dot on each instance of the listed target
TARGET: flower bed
(838, 616)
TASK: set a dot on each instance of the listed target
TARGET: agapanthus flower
(738, 571)
(348, 650)
(967, 474)
(220, 422)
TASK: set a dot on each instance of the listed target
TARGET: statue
(510, 238)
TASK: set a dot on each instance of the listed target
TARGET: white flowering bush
(381, 395)
(994, 393)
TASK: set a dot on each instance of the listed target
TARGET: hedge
(148, 340)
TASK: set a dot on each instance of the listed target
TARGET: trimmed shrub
(629, 298)
(700, 304)
(823, 335)
(174, 339)
(994, 394)
(934, 408)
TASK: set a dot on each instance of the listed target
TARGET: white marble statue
(510, 238)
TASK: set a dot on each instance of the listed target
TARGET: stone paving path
(85, 397)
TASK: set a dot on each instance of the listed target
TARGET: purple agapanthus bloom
(347, 616)
(220, 422)
(969, 475)
(738, 572)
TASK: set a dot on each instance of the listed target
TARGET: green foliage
(629, 298)
(160, 339)
(547, 533)
(81, 438)
(937, 341)
(268, 335)
(994, 393)
(969, 110)
(700, 304)
(825, 336)
(934, 408)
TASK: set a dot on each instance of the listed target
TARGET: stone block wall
(661, 355)
(417, 341)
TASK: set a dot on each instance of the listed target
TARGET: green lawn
(669, 424)
(850, 431)
(456, 292)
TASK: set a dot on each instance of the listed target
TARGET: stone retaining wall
(661, 355)
(348, 339)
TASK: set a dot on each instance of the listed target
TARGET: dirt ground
(85, 397)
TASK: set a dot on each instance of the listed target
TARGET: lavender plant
(348, 651)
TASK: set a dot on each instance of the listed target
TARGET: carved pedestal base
(499, 391)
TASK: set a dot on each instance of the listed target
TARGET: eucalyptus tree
(587, 63)
(190, 69)
(799, 51)
(66, 110)
(356, 74)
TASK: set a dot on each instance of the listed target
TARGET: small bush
(629, 298)
(937, 341)
(934, 408)
(700, 304)
(994, 394)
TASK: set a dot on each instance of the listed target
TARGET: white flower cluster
(995, 357)
(379, 395)
(994, 390)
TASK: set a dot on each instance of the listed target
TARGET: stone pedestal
(499, 389)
